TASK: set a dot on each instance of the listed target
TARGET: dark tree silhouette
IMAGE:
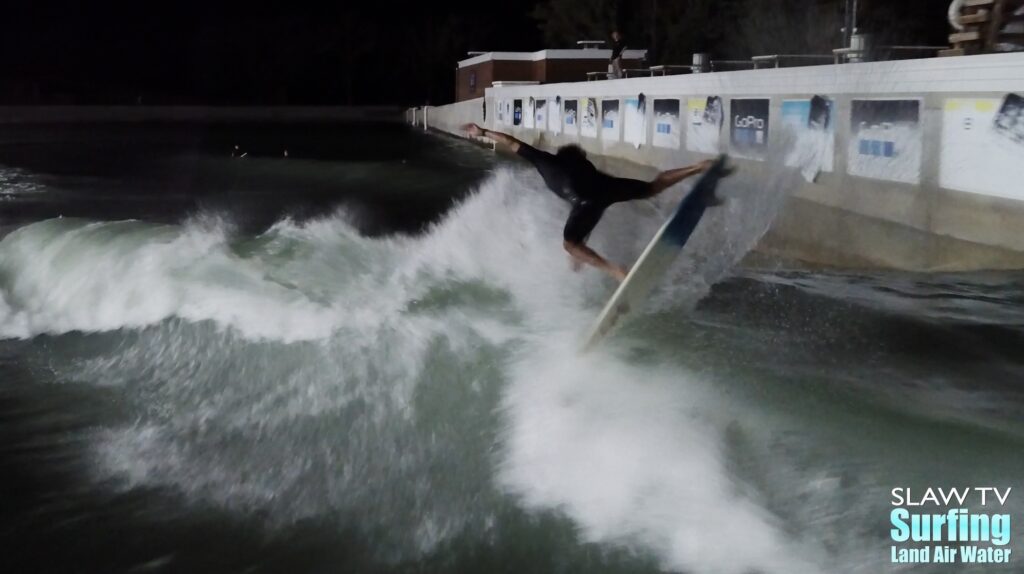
(564, 22)
(673, 30)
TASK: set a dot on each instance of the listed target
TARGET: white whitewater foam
(626, 453)
(63, 275)
(332, 422)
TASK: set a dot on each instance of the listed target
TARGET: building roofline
(568, 54)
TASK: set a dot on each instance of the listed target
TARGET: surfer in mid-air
(572, 177)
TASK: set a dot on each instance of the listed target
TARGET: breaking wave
(410, 387)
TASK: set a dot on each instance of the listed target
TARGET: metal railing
(838, 56)
(855, 54)
(773, 60)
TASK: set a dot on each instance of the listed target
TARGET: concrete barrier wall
(912, 164)
(452, 117)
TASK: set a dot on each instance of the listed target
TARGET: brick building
(478, 73)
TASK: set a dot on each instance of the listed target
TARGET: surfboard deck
(659, 254)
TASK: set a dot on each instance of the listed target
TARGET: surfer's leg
(581, 222)
(584, 254)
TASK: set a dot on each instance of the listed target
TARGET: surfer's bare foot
(576, 264)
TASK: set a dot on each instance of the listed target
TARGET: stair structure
(984, 26)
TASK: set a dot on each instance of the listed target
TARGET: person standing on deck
(615, 63)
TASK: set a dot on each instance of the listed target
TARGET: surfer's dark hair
(571, 152)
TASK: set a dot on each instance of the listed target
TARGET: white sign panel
(885, 140)
(666, 124)
(610, 120)
(570, 120)
(555, 115)
(704, 124)
(634, 121)
(540, 118)
(811, 124)
(588, 121)
(979, 154)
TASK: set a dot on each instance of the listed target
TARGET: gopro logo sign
(749, 122)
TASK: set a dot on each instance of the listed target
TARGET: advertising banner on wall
(1010, 119)
(811, 127)
(704, 125)
(748, 127)
(634, 125)
(885, 140)
(983, 146)
(528, 117)
(569, 120)
(540, 118)
(517, 112)
(588, 121)
(555, 115)
(610, 120)
(666, 124)
(506, 112)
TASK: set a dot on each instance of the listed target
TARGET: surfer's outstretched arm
(667, 179)
(504, 139)
(580, 252)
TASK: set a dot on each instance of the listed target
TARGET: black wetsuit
(617, 48)
(573, 178)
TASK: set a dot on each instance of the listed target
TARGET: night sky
(235, 52)
(378, 52)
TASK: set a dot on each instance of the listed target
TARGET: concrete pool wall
(910, 164)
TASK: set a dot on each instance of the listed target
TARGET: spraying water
(422, 394)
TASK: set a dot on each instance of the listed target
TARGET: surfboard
(659, 254)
